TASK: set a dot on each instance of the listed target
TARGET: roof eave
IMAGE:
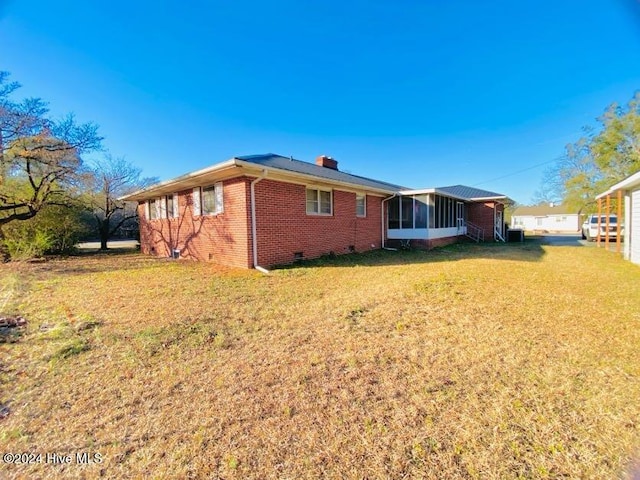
(485, 199)
(626, 184)
(186, 181)
(178, 183)
(422, 191)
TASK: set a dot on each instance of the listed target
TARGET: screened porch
(425, 216)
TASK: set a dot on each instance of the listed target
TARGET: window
(319, 202)
(153, 209)
(208, 200)
(172, 206)
(361, 205)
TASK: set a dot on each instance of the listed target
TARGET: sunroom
(425, 215)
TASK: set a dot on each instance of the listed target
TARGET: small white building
(546, 218)
(629, 188)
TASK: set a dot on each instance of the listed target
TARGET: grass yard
(471, 361)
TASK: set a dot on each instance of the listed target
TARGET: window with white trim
(208, 200)
(361, 205)
(319, 202)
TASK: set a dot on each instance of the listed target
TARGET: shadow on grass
(528, 251)
(94, 261)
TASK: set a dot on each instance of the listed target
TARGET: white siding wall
(633, 236)
(551, 223)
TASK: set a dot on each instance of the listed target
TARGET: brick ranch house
(258, 211)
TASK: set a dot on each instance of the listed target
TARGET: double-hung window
(172, 206)
(361, 205)
(319, 202)
(208, 200)
(153, 209)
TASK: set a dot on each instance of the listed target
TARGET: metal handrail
(474, 232)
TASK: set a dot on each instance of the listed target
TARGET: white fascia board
(422, 191)
(626, 184)
(419, 191)
(482, 199)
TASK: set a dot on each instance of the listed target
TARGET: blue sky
(419, 93)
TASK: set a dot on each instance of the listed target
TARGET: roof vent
(327, 162)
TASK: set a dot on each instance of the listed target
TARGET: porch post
(599, 221)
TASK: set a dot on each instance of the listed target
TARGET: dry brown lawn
(472, 361)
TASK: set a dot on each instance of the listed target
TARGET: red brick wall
(284, 228)
(222, 238)
(482, 214)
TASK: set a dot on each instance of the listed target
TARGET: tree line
(599, 159)
(50, 198)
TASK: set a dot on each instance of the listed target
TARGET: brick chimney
(327, 162)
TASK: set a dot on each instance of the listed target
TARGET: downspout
(382, 220)
(254, 240)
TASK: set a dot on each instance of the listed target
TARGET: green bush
(54, 230)
(28, 245)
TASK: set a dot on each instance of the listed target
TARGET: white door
(460, 216)
(499, 222)
(634, 233)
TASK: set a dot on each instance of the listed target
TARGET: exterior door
(460, 215)
(499, 222)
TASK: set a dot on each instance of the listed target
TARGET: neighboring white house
(630, 189)
(547, 218)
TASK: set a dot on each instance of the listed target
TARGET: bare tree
(39, 157)
(552, 188)
(110, 179)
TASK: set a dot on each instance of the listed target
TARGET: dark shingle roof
(543, 210)
(470, 193)
(297, 166)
